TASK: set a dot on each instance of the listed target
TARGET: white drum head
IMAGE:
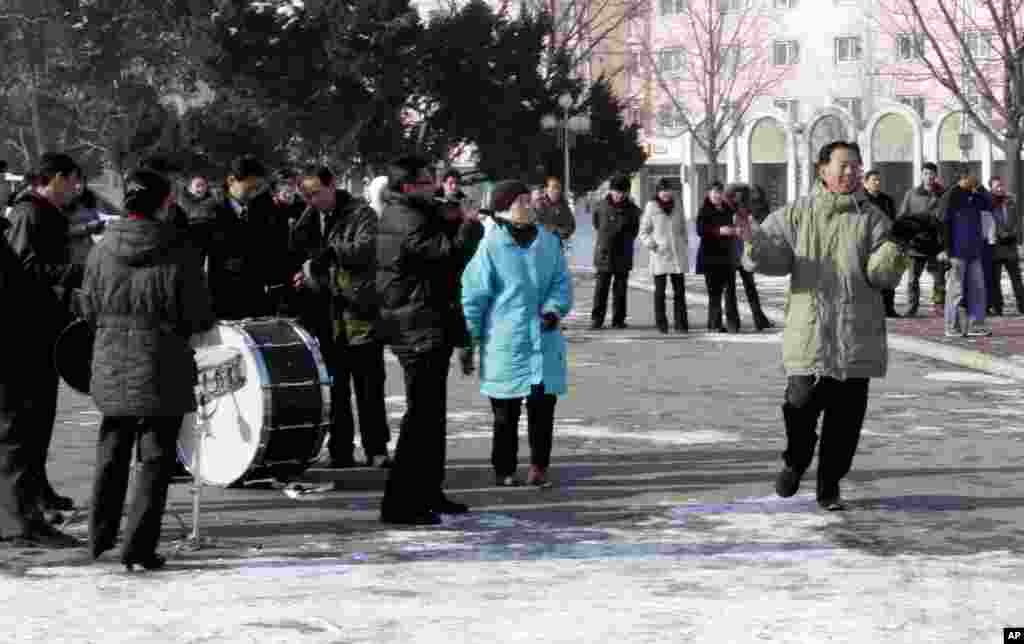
(232, 425)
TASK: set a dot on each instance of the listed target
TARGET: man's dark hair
(283, 176)
(145, 191)
(825, 154)
(3, 166)
(872, 173)
(321, 172)
(51, 164)
(928, 165)
(716, 185)
(246, 166)
(404, 170)
(451, 173)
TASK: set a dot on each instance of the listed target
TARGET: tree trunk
(1014, 178)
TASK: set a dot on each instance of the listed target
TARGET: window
(785, 4)
(915, 103)
(852, 105)
(790, 106)
(727, 6)
(848, 49)
(979, 43)
(672, 7)
(729, 60)
(910, 46)
(670, 118)
(671, 60)
(786, 52)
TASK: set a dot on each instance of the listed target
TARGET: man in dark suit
(245, 242)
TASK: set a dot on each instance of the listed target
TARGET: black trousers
(843, 404)
(365, 363)
(417, 474)
(342, 428)
(721, 281)
(19, 507)
(540, 415)
(938, 272)
(32, 419)
(618, 284)
(156, 437)
(679, 316)
(1011, 262)
(753, 299)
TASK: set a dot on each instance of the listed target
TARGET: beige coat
(666, 239)
(835, 250)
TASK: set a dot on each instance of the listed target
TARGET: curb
(967, 358)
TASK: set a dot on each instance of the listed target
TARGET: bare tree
(975, 51)
(583, 29)
(714, 60)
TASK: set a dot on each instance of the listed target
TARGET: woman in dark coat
(617, 222)
(717, 258)
(144, 295)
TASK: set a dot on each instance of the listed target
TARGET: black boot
(715, 316)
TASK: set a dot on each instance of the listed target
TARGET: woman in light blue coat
(515, 292)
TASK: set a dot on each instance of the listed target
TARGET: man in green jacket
(838, 250)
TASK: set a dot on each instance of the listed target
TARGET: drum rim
(321, 369)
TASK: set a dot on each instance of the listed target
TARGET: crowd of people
(416, 266)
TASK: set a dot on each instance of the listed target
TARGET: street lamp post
(567, 127)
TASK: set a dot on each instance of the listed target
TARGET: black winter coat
(17, 321)
(353, 244)
(420, 257)
(247, 258)
(617, 227)
(38, 236)
(144, 295)
(884, 203)
(715, 250)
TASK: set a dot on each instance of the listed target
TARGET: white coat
(666, 239)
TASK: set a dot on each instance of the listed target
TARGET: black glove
(917, 235)
(549, 322)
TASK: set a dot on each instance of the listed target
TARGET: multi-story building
(843, 81)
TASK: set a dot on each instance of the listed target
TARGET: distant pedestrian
(717, 258)
(663, 232)
(1005, 253)
(923, 201)
(961, 209)
(553, 211)
(515, 292)
(759, 210)
(873, 187)
(838, 250)
(617, 222)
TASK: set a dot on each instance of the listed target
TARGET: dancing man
(838, 250)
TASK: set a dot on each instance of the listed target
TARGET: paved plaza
(662, 525)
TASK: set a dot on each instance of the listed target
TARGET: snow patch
(972, 377)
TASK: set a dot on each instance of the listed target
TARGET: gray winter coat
(144, 295)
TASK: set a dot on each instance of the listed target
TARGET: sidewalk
(1001, 354)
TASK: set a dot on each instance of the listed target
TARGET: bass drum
(264, 402)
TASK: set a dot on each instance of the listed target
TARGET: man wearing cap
(422, 249)
(144, 295)
(617, 222)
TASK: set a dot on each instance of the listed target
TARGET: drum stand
(202, 428)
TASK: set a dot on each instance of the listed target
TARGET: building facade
(847, 79)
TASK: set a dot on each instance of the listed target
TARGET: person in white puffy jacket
(663, 233)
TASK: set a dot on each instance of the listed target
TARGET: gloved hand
(467, 360)
(549, 321)
(916, 235)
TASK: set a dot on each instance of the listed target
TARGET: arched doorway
(769, 167)
(950, 154)
(892, 147)
(825, 130)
